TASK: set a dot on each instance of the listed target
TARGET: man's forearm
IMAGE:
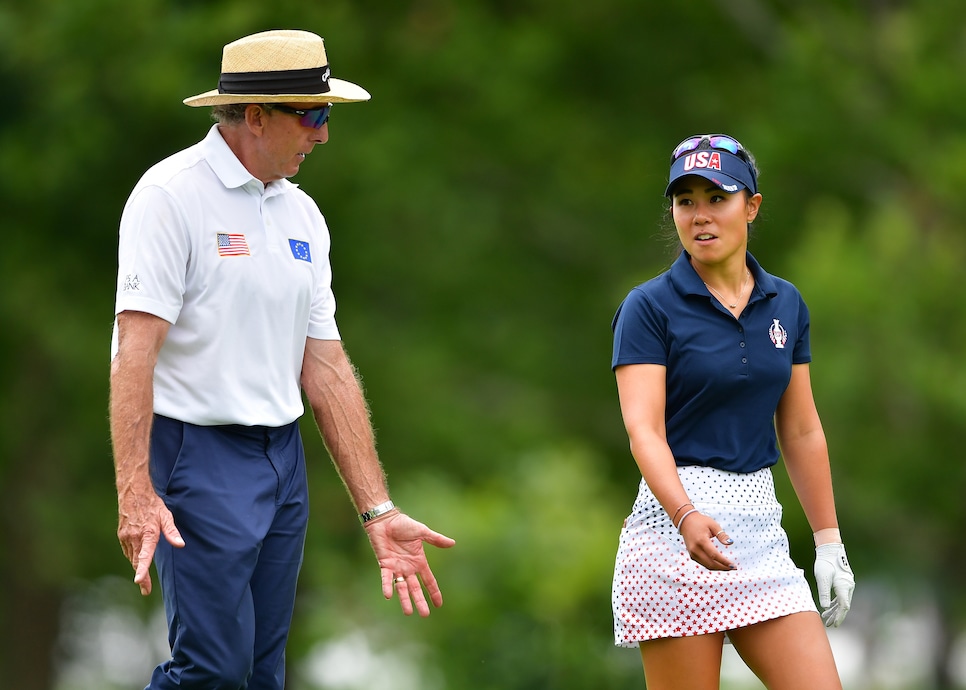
(140, 337)
(345, 427)
(342, 415)
(131, 415)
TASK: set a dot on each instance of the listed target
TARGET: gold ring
(400, 579)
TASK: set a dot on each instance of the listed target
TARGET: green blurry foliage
(489, 208)
(522, 588)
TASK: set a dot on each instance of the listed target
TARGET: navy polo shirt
(725, 376)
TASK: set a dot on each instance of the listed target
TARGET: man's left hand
(397, 541)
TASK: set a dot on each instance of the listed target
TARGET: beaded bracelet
(674, 517)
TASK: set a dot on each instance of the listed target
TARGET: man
(225, 314)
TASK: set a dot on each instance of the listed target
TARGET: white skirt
(659, 591)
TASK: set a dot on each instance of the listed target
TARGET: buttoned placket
(741, 320)
(269, 226)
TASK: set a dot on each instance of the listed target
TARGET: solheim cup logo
(778, 334)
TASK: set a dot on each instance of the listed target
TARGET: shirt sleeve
(640, 332)
(802, 353)
(322, 324)
(153, 255)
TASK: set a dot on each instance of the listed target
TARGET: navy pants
(240, 499)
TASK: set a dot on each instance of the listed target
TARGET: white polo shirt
(240, 270)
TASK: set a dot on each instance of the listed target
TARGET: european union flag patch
(300, 250)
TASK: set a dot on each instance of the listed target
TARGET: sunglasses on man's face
(721, 142)
(314, 118)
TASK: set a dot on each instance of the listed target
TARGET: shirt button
(744, 360)
(742, 344)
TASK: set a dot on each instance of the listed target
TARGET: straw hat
(278, 67)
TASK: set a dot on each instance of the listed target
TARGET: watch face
(373, 513)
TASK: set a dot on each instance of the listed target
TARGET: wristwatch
(375, 512)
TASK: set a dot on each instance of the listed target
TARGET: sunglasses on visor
(721, 142)
(314, 118)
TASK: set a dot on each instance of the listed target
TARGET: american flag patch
(231, 244)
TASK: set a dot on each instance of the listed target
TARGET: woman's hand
(702, 534)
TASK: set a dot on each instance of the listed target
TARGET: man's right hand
(140, 526)
(142, 515)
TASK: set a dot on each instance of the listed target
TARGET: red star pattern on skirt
(658, 591)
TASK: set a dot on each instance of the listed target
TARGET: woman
(711, 359)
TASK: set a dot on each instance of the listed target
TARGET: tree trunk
(942, 676)
(29, 629)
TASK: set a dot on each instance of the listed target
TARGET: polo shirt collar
(230, 170)
(687, 281)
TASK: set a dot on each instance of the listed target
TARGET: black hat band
(289, 81)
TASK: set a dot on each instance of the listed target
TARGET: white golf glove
(833, 574)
